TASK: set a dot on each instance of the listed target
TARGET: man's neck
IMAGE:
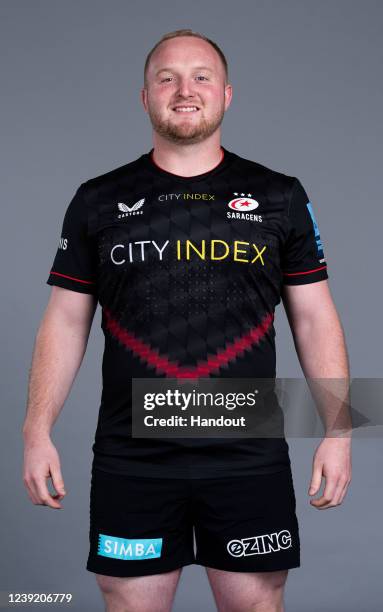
(187, 160)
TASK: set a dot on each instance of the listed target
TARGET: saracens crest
(243, 203)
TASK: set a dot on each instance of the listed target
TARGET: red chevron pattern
(172, 369)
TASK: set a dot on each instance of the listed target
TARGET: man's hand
(332, 461)
(41, 461)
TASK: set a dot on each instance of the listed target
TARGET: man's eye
(169, 78)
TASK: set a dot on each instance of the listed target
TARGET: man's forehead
(174, 67)
(195, 55)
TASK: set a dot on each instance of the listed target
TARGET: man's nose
(186, 87)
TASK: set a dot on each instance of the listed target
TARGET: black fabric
(303, 258)
(243, 524)
(75, 264)
(188, 272)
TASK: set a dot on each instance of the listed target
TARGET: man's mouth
(185, 109)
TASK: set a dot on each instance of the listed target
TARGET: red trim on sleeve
(79, 280)
(306, 272)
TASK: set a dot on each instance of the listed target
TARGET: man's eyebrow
(196, 68)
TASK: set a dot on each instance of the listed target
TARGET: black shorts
(141, 526)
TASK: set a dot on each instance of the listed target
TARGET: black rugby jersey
(188, 272)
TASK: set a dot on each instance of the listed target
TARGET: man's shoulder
(271, 174)
(112, 177)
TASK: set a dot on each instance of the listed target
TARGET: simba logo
(260, 545)
(127, 211)
(121, 548)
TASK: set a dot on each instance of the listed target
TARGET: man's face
(186, 71)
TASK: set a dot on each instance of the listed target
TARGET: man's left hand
(332, 461)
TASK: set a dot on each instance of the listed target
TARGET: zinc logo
(260, 545)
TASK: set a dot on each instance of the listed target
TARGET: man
(188, 249)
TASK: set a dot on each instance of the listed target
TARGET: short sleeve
(303, 259)
(75, 263)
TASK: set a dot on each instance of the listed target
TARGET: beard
(186, 131)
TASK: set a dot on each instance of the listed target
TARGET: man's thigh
(140, 593)
(245, 591)
(138, 526)
(247, 524)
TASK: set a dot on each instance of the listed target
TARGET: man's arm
(58, 352)
(321, 349)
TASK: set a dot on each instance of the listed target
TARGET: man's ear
(228, 95)
(144, 95)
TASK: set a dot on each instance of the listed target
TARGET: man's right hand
(41, 461)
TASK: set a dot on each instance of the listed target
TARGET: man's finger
(335, 498)
(33, 488)
(43, 495)
(29, 488)
(57, 480)
(328, 493)
(316, 480)
(338, 492)
(345, 489)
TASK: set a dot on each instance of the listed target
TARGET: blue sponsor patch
(128, 550)
(316, 230)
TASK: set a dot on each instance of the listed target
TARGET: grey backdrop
(307, 102)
